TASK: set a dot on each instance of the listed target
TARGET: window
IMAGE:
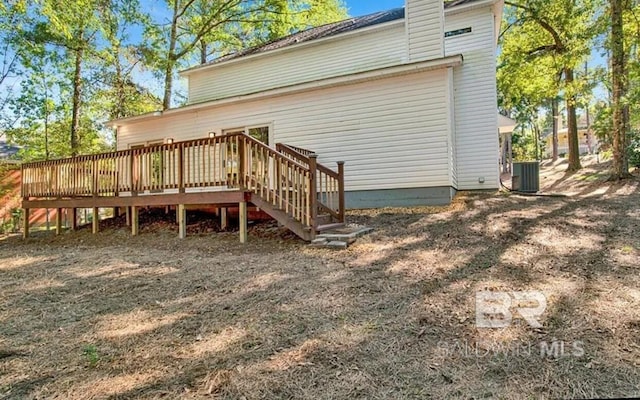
(148, 167)
(258, 132)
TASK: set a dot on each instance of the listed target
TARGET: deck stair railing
(329, 184)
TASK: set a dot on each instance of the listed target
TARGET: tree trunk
(620, 167)
(168, 77)
(120, 88)
(572, 124)
(77, 93)
(45, 88)
(203, 52)
(556, 114)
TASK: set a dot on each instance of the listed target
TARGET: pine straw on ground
(114, 316)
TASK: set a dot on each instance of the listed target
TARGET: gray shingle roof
(329, 30)
(454, 3)
(319, 32)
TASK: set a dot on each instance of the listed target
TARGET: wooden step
(328, 227)
(324, 219)
(304, 232)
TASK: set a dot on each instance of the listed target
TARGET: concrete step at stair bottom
(340, 238)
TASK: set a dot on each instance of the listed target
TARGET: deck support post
(133, 220)
(74, 219)
(25, 223)
(128, 215)
(182, 221)
(243, 222)
(96, 220)
(58, 221)
(341, 200)
(224, 222)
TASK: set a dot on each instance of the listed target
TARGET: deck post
(134, 220)
(243, 222)
(74, 219)
(181, 169)
(128, 215)
(341, 201)
(25, 223)
(242, 148)
(224, 222)
(96, 220)
(313, 190)
(182, 221)
(58, 221)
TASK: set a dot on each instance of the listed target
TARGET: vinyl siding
(425, 29)
(381, 46)
(476, 109)
(392, 132)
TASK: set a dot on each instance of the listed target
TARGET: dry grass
(110, 316)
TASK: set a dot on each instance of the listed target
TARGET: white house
(406, 97)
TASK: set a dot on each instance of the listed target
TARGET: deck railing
(291, 184)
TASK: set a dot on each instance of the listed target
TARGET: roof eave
(470, 6)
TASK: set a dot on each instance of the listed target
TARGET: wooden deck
(229, 170)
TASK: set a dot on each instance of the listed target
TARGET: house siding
(425, 29)
(392, 132)
(377, 47)
(476, 120)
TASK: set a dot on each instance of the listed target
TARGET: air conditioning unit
(526, 177)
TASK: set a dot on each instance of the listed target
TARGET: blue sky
(362, 7)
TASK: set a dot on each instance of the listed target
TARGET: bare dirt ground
(111, 316)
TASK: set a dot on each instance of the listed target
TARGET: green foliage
(542, 43)
(90, 352)
(524, 146)
(634, 148)
(603, 124)
(12, 223)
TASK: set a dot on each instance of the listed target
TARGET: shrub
(634, 149)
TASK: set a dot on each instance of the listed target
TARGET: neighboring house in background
(589, 143)
(406, 97)
(506, 126)
(8, 152)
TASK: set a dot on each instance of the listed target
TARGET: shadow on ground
(110, 316)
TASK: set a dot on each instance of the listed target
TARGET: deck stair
(287, 182)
